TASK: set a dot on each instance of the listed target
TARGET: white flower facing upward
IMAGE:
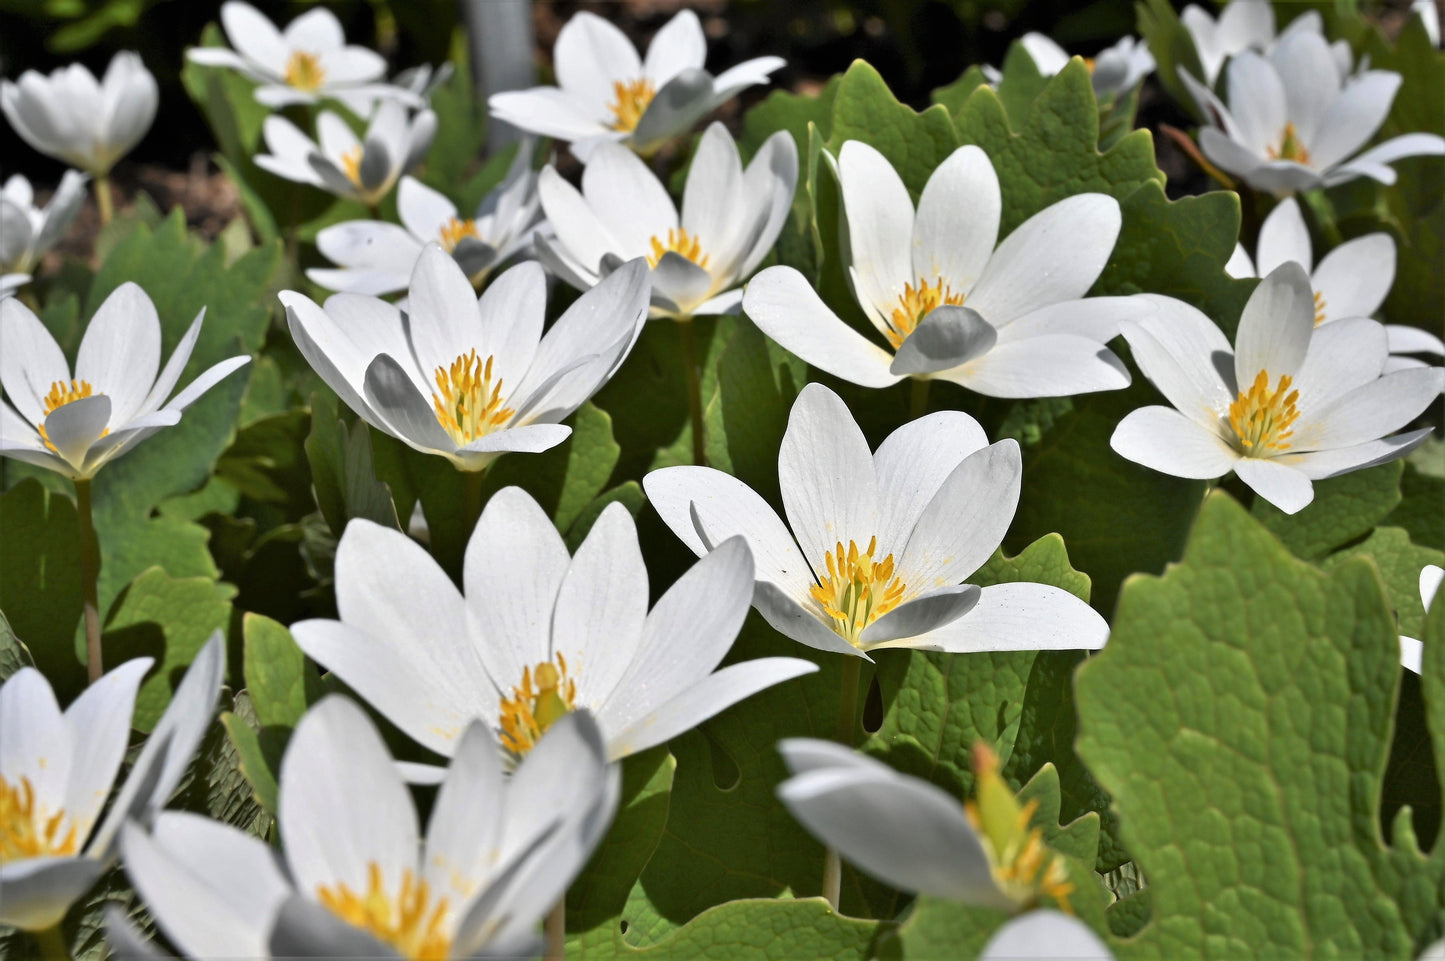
(357, 169)
(1116, 70)
(308, 61)
(606, 93)
(355, 877)
(1289, 404)
(57, 770)
(539, 634)
(464, 378)
(881, 543)
(1411, 650)
(1293, 122)
(1351, 281)
(78, 120)
(1248, 25)
(27, 232)
(730, 218)
(378, 258)
(1004, 319)
(75, 424)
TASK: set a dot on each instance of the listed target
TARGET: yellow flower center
(1319, 308)
(62, 393)
(859, 590)
(545, 695)
(303, 71)
(412, 922)
(1261, 417)
(681, 242)
(1290, 147)
(630, 100)
(468, 401)
(914, 304)
(351, 164)
(1022, 864)
(23, 834)
(454, 231)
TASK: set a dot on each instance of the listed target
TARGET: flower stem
(1324, 213)
(918, 397)
(89, 580)
(847, 725)
(51, 942)
(471, 498)
(555, 929)
(694, 391)
(103, 198)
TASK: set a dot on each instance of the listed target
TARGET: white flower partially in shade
(1289, 404)
(1411, 650)
(1248, 25)
(1004, 319)
(75, 424)
(355, 877)
(730, 218)
(1115, 70)
(539, 634)
(304, 64)
(1351, 281)
(57, 770)
(364, 169)
(605, 93)
(464, 378)
(377, 258)
(1294, 123)
(27, 232)
(881, 543)
(77, 120)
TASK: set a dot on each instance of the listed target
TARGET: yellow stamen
(678, 241)
(914, 304)
(1290, 147)
(1261, 417)
(62, 393)
(631, 98)
(545, 695)
(351, 164)
(411, 921)
(1022, 865)
(303, 71)
(28, 833)
(858, 590)
(1319, 308)
(468, 401)
(454, 231)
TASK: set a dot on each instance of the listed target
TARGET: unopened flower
(27, 232)
(364, 169)
(539, 634)
(1290, 403)
(78, 120)
(1116, 70)
(606, 93)
(76, 423)
(1004, 319)
(1411, 650)
(881, 543)
(464, 378)
(730, 219)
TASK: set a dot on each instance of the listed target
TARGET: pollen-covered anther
(28, 833)
(915, 303)
(1319, 308)
(545, 695)
(410, 921)
(1261, 418)
(629, 102)
(304, 71)
(678, 241)
(62, 393)
(454, 231)
(1290, 147)
(858, 589)
(1022, 865)
(468, 401)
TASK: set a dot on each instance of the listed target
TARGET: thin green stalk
(103, 198)
(472, 497)
(918, 397)
(555, 929)
(1324, 215)
(89, 580)
(51, 942)
(694, 392)
(847, 727)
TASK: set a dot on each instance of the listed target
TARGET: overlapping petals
(71, 116)
(1116, 70)
(27, 232)
(1249, 25)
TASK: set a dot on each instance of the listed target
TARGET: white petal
(912, 464)
(1317, 465)
(36, 893)
(1186, 357)
(1257, 101)
(73, 427)
(460, 844)
(549, 112)
(1431, 576)
(1046, 935)
(1372, 410)
(957, 223)
(801, 619)
(31, 362)
(712, 200)
(1024, 617)
(1353, 117)
(254, 36)
(1047, 56)
(965, 521)
(444, 320)
(1275, 327)
(1354, 278)
(1413, 340)
(578, 228)
(627, 198)
(38, 745)
(1097, 318)
(423, 211)
(316, 29)
(98, 722)
(912, 623)
(948, 337)
(1342, 356)
(1284, 487)
(1412, 654)
(679, 45)
(207, 379)
(1311, 80)
(1239, 264)
(513, 309)
(589, 56)
(404, 412)
(880, 223)
(1051, 365)
(1167, 441)
(1284, 237)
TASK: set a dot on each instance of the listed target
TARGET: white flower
(1411, 650)
(75, 119)
(1045, 935)
(730, 219)
(364, 169)
(1290, 403)
(1007, 321)
(377, 258)
(306, 63)
(606, 93)
(881, 543)
(76, 424)
(1116, 69)
(1293, 122)
(465, 378)
(539, 634)
(56, 772)
(9, 283)
(1249, 25)
(27, 232)
(1351, 281)
(355, 877)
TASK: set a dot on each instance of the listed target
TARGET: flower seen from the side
(1248, 25)
(539, 634)
(1288, 404)
(27, 232)
(1411, 650)
(606, 93)
(949, 300)
(470, 379)
(730, 218)
(76, 119)
(75, 423)
(878, 546)
(1115, 70)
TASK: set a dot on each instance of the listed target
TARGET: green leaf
(565, 479)
(1419, 512)
(914, 142)
(343, 472)
(13, 653)
(40, 581)
(1344, 508)
(216, 786)
(258, 770)
(1172, 47)
(1399, 562)
(277, 673)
